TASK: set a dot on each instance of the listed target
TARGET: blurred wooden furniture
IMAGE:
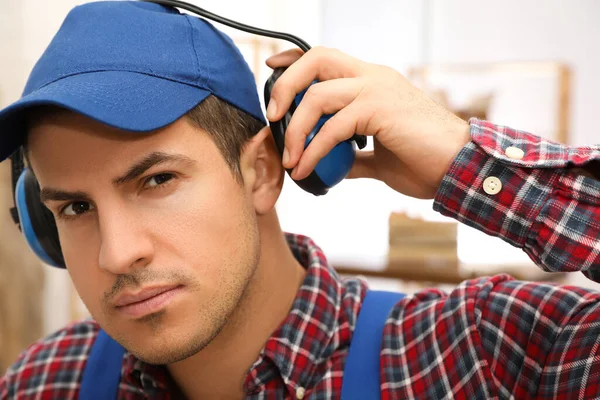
(426, 252)
(432, 245)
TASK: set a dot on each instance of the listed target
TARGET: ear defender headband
(37, 223)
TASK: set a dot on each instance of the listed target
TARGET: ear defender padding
(36, 221)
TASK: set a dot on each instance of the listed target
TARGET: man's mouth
(147, 301)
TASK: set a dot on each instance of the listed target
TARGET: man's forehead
(62, 139)
(61, 133)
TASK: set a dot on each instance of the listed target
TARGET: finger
(285, 58)
(318, 63)
(321, 98)
(364, 165)
(340, 127)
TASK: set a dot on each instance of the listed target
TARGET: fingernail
(286, 156)
(271, 109)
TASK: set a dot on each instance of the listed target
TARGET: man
(143, 128)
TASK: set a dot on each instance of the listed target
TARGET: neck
(220, 369)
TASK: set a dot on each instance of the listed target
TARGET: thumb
(364, 165)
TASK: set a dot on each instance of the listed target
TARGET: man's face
(158, 236)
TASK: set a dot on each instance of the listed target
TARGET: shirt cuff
(505, 182)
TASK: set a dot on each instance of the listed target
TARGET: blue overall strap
(362, 372)
(102, 372)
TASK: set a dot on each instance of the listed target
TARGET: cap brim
(126, 100)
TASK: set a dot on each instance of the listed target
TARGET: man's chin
(167, 350)
(158, 340)
(166, 356)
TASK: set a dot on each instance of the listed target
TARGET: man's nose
(125, 242)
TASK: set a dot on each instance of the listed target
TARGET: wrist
(454, 140)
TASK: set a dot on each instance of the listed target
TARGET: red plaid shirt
(488, 338)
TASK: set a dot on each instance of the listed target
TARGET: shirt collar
(313, 329)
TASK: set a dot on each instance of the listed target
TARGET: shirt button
(300, 391)
(492, 185)
(514, 153)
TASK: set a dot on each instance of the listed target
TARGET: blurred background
(521, 63)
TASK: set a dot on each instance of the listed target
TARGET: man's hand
(415, 139)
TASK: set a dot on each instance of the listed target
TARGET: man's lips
(146, 301)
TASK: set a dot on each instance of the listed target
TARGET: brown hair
(229, 127)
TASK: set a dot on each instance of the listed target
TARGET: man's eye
(158, 179)
(76, 208)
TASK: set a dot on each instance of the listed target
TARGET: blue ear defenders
(34, 220)
(37, 223)
(336, 164)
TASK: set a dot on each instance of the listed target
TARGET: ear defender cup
(336, 164)
(36, 221)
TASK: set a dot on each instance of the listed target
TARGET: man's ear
(261, 168)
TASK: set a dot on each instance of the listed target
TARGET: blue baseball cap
(132, 65)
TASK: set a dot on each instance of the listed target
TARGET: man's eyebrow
(47, 194)
(137, 169)
(152, 159)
